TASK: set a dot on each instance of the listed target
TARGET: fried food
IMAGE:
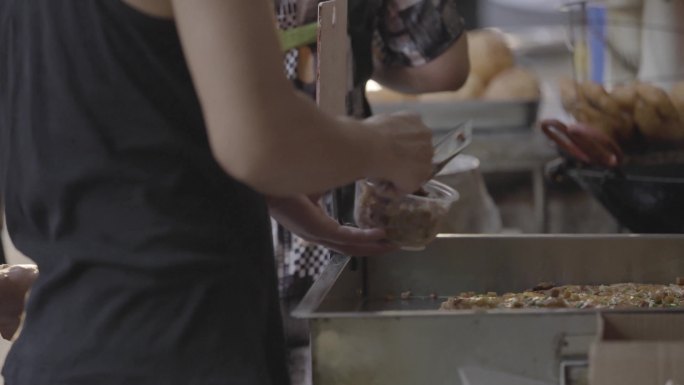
(659, 99)
(628, 109)
(618, 123)
(514, 84)
(656, 116)
(626, 97)
(598, 98)
(586, 114)
(624, 295)
(648, 120)
(590, 104)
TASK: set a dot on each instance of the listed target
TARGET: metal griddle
(359, 336)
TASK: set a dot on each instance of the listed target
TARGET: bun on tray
(489, 54)
(514, 84)
(493, 75)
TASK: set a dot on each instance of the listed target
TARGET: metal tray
(495, 116)
(361, 337)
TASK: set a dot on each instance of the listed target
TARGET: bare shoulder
(156, 8)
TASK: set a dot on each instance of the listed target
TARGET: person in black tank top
(137, 165)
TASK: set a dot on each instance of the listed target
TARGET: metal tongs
(459, 138)
(584, 143)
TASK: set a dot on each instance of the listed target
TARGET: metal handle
(574, 363)
(584, 143)
(574, 372)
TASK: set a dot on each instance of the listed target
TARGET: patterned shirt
(392, 33)
(388, 32)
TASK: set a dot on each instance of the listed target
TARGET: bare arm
(303, 216)
(15, 281)
(448, 72)
(261, 130)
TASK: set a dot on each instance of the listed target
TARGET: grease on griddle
(544, 286)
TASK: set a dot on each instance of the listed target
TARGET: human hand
(584, 143)
(304, 217)
(405, 156)
(15, 281)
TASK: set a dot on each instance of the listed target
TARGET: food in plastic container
(411, 221)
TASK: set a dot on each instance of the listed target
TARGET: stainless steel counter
(360, 336)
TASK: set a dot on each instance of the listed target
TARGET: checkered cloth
(398, 33)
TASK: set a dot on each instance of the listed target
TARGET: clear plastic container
(411, 221)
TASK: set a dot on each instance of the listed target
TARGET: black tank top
(155, 266)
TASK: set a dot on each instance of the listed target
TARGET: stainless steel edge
(374, 340)
(501, 263)
(321, 287)
(669, 237)
(495, 116)
(306, 314)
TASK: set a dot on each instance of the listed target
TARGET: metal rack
(505, 140)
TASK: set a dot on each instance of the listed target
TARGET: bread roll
(489, 54)
(514, 84)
